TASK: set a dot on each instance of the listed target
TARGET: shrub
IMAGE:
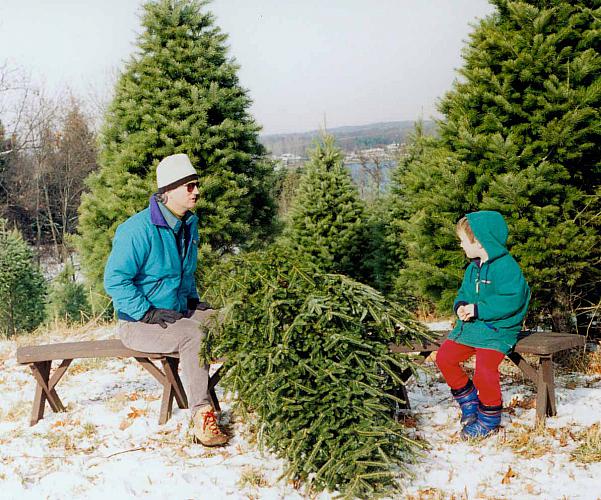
(22, 285)
(68, 298)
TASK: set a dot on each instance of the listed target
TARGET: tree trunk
(51, 221)
(561, 313)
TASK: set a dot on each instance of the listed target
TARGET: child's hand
(465, 312)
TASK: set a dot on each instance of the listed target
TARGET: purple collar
(156, 216)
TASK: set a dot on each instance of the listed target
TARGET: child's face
(472, 250)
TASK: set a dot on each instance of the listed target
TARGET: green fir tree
(179, 93)
(520, 134)
(326, 220)
(307, 353)
(22, 285)
(67, 298)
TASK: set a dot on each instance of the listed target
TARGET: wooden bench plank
(545, 343)
(40, 358)
(112, 348)
(540, 344)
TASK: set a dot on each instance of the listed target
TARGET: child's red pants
(486, 376)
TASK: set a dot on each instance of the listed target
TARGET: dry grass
(253, 477)
(589, 449)
(61, 440)
(580, 361)
(68, 434)
(87, 364)
(16, 412)
(58, 330)
(435, 494)
(535, 443)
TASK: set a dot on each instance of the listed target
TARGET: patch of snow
(109, 444)
(438, 326)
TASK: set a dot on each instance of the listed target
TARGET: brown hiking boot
(205, 429)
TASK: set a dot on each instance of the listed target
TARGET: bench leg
(166, 404)
(172, 389)
(212, 383)
(170, 367)
(171, 382)
(401, 390)
(45, 388)
(42, 370)
(545, 398)
(528, 370)
(167, 399)
(545, 383)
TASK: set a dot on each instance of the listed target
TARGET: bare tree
(372, 164)
(47, 149)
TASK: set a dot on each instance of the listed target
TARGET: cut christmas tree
(307, 352)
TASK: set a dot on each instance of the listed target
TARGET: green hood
(490, 229)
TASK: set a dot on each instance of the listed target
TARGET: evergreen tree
(519, 134)
(178, 94)
(326, 221)
(307, 352)
(67, 299)
(22, 285)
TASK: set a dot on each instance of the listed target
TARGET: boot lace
(209, 421)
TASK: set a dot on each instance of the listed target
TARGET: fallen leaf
(133, 396)
(136, 412)
(125, 424)
(508, 475)
(58, 423)
(409, 421)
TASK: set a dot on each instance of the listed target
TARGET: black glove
(196, 304)
(161, 317)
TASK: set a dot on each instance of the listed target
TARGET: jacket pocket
(491, 327)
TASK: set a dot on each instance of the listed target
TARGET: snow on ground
(109, 444)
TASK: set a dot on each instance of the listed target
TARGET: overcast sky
(351, 61)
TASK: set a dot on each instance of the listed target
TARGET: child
(491, 305)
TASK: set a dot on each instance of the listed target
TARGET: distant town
(387, 154)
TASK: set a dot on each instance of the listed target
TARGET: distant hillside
(349, 138)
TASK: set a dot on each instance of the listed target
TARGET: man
(150, 276)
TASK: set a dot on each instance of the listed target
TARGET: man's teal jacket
(145, 268)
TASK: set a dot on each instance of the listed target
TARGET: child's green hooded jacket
(497, 288)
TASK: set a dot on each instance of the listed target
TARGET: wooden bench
(541, 345)
(40, 358)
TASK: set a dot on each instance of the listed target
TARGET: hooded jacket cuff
(459, 304)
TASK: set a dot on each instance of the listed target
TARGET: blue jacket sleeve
(129, 252)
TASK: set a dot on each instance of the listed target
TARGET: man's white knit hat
(173, 171)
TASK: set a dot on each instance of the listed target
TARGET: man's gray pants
(183, 336)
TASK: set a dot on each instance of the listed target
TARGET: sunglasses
(191, 186)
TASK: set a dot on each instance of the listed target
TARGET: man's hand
(161, 317)
(465, 312)
(198, 305)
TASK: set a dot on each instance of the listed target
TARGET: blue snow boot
(467, 397)
(488, 420)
